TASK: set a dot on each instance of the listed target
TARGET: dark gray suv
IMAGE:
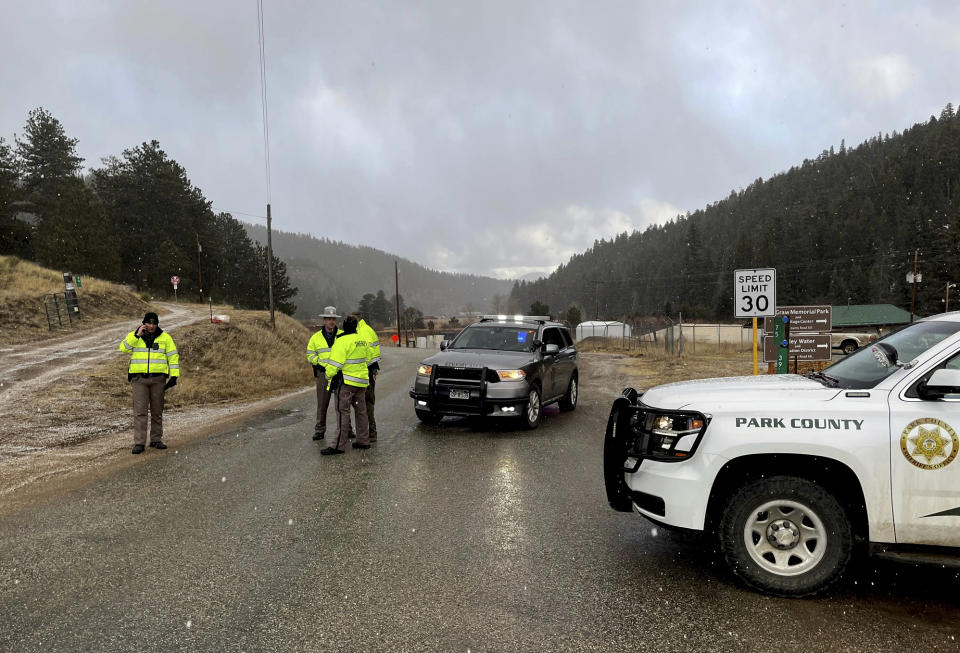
(501, 366)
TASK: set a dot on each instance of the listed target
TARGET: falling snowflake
(655, 532)
(289, 522)
(189, 623)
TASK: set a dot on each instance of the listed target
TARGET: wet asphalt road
(468, 536)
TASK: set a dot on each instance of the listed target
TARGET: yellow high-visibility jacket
(161, 358)
(318, 352)
(348, 355)
(366, 332)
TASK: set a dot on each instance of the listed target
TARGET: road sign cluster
(809, 333)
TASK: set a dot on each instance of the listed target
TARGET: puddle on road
(276, 417)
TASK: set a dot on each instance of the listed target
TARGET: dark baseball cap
(151, 318)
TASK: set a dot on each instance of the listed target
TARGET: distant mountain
(842, 228)
(327, 272)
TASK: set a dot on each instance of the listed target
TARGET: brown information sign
(804, 319)
(803, 347)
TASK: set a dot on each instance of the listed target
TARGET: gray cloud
(495, 138)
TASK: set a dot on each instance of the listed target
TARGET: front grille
(460, 373)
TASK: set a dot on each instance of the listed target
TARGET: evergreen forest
(136, 220)
(842, 228)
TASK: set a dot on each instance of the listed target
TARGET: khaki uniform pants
(351, 396)
(323, 402)
(148, 393)
(371, 401)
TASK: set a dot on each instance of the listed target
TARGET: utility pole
(273, 321)
(199, 270)
(913, 294)
(396, 280)
(946, 300)
(596, 315)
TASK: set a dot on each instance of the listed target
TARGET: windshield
(505, 338)
(861, 369)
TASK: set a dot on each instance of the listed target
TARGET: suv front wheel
(786, 536)
(534, 409)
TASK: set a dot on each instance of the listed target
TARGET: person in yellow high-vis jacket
(366, 332)
(318, 353)
(348, 357)
(154, 368)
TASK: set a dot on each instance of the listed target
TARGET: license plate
(459, 394)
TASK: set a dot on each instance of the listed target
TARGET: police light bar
(516, 318)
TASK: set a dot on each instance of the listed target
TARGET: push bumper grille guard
(626, 439)
(434, 399)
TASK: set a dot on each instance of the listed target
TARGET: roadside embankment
(23, 285)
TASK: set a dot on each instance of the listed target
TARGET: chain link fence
(667, 336)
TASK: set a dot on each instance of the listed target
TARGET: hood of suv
(491, 358)
(758, 390)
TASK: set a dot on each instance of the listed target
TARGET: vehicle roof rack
(515, 318)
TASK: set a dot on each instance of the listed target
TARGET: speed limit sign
(755, 292)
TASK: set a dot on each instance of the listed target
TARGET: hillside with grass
(23, 285)
(273, 363)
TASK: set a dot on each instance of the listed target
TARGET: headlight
(511, 375)
(424, 370)
(664, 436)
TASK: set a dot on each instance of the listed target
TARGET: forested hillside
(137, 220)
(842, 227)
(328, 272)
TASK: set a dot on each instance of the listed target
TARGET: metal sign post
(175, 280)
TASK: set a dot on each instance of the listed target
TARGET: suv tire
(786, 536)
(848, 347)
(428, 416)
(569, 400)
(533, 410)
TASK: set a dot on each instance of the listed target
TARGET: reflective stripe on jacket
(366, 332)
(162, 358)
(349, 355)
(318, 352)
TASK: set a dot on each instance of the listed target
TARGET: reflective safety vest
(318, 352)
(349, 355)
(161, 358)
(366, 332)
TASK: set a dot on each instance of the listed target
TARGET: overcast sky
(496, 138)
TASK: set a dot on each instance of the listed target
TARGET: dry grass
(23, 284)
(656, 368)
(242, 361)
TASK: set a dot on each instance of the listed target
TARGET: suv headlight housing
(666, 435)
(424, 370)
(511, 375)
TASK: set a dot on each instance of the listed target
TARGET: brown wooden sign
(802, 346)
(804, 319)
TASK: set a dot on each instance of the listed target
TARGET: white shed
(601, 329)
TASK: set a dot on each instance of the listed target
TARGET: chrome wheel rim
(533, 407)
(573, 392)
(785, 538)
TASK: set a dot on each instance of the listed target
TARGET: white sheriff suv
(795, 475)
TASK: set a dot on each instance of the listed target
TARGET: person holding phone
(154, 369)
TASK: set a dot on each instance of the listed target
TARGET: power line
(249, 215)
(263, 99)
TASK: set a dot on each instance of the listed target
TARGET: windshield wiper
(826, 380)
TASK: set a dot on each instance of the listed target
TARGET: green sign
(780, 337)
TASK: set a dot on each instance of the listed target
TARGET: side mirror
(944, 382)
(444, 344)
(550, 350)
(885, 354)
